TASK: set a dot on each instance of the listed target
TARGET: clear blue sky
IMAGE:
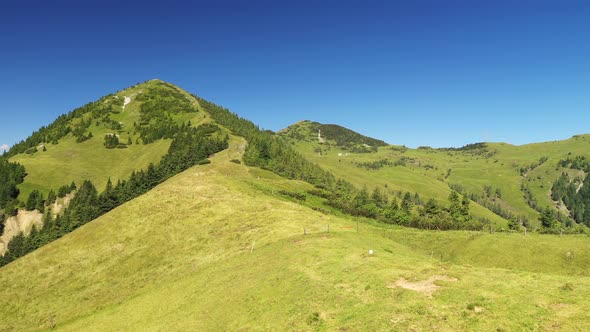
(439, 73)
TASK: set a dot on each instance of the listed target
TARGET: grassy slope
(179, 258)
(411, 178)
(470, 171)
(70, 161)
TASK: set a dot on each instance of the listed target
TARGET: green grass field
(216, 248)
(427, 174)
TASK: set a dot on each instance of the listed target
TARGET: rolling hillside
(203, 240)
(218, 248)
(496, 175)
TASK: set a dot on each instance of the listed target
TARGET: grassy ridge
(180, 258)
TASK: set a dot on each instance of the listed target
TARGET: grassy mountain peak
(110, 137)
(331, 134)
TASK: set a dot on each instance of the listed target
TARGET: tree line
(11, 174)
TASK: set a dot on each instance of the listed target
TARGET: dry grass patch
(426, 287)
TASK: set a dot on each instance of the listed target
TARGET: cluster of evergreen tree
(468, 147)
(575, 194)
(162, 128)
(156, 112)
(578, 162)
(111, 141)
(80, 129)
(191, 146)
(474, 149)
(410, 211)
(11, 174)
(64, 190)
(374, 165)
(35, 201)
(109, 123)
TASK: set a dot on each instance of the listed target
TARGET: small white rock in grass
(371, 252)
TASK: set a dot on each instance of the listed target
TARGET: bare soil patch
(426, 287)
(21, 223)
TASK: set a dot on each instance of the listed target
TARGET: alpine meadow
(152, 209)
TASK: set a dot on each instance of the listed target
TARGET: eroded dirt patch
(426, 287)
(21, 223)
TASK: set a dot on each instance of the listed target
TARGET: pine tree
(394, 205)
(407, 204)
(40, 204)
(431, 208)
(455, 205)
(33, 200)
(379, 198)
(513, 224)
(547, 219)
(51, 198)
(465, 208)
(360, 201)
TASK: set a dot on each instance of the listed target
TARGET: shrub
(297, 196)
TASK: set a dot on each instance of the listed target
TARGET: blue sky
(438, 73)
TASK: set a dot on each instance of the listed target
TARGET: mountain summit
(331, 134)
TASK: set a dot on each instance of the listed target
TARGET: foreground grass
(215, 248)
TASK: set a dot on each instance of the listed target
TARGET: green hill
(512, 181)
(217, 248)
(203, 240)
(73, 147)
(332, 135)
